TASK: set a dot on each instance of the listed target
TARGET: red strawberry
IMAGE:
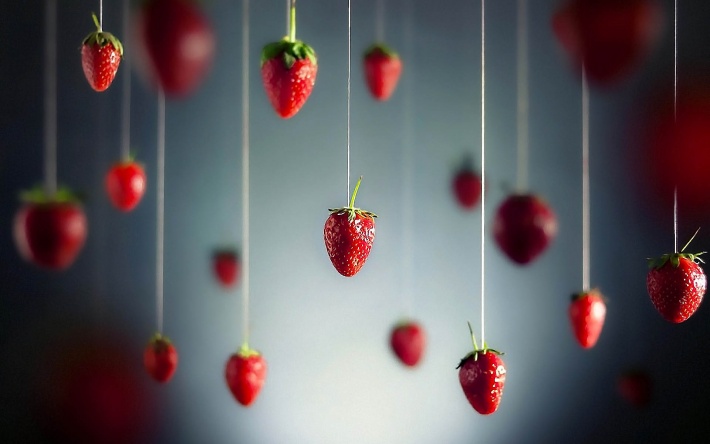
(636, 387)
(608, 37)
(482, 377)
(523, 227)
(160, 358)
(101, 53)
(382, 70)
(125, 184)
(586, 313)
(407, 341)
(50, 231)
(226, 267)
(245, 373)
(467, 188)
(676, 284)
(349, 233)
(176, 45)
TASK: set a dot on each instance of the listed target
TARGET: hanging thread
(126, 98)
(101, 15)
(50, 98)
(675, 117)
(483, 172)
(407, 161)
(585, 182)
(380, 21)
(160, 230)
(523, 97)
(347, 196)
(245, 169)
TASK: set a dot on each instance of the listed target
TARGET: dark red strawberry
(176, 45)
(636, 387)
(524, 226)
(50, 231)
(288, 71)
(160, 358)
(407, 341)
(467, 188)
(101, 53)
(482, 377)
(608, 37)
(382, 70)
(125, 184)
(676, 284)
(586, 314)
(226, 266)
(245, 374)
(349, 233)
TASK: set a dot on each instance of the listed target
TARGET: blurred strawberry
(636, 387)
(226, 266)
(523, 227)
(407, 341)
(382, 70)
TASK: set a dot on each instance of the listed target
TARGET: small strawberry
(482, 377)
(676, 284)
(288, 71)
(524, 226)
(226, 266)
(382, 70)
(50, 231)
(160, 358)
(101, 53)
(349, 233)
(466, 186)
(636, 387)
(407, 341)
(245, 374)
(125, 184)
(586, 314)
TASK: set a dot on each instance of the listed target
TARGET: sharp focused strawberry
(349, 233)
(101, 53)
(676, 284)
(524, 226)
(125, 184)
(176, 45)
(407, 341)
(226, 267)
(382, 70)
(160, 358)
(586, 314)
(288, 71)
(636, 387)
(608, 37)
(482, 377)
(245, 374)
(467, 188)
(50, 231)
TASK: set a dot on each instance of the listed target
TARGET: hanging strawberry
(676, 284)
(382, 70)
(524, 226)
(349, 233)
(50, 231)
(125, 184)
(288, 71)
(608, 37)
(482, 377)
(101, 53)
(226, 266)
(176, 45)
(636, 387)
(407, 341)
(160, 358)
(466, 186)
(245, 374)
(586, 314)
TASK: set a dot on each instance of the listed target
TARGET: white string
(380, 21)
(347, 196)
(160, 189)
(523, 96)
(126, 103)
(585, 182)
(245, 168)
(675, 116)
(483, 172)
(50, 98)
(407, 163)
(101, 15)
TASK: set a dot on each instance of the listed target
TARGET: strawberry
(586, 314)
(160, 358)
(482, 377)
(101, 53)
(125, 184)
(524, 226)
(407, 341)
(349, 233)
(245, 373)
(467, 187)
(176, 45)
(226, 266)
(382, 70)
(608, 37)
(50, 231)
(676, 284)
(636, 387)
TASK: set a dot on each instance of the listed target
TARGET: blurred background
(72, 342)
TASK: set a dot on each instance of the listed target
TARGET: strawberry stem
(96, 22)
(691, 240)
(292, 23)
(352, 199)
(473, 337)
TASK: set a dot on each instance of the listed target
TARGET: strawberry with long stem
(288, 71)
(482, 377)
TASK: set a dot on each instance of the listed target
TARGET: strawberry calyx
(474, 354)
(39, 195)
(102, 38)
(351, 211)
(225, 251)
(674, 258)
(289, 51)
(159, 342)
(594, 292)
(382, 49)
(247, 352)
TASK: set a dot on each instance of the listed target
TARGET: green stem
(292, 22)
(357, 187)
(96, 22)
(473, 337)
(691, 240)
